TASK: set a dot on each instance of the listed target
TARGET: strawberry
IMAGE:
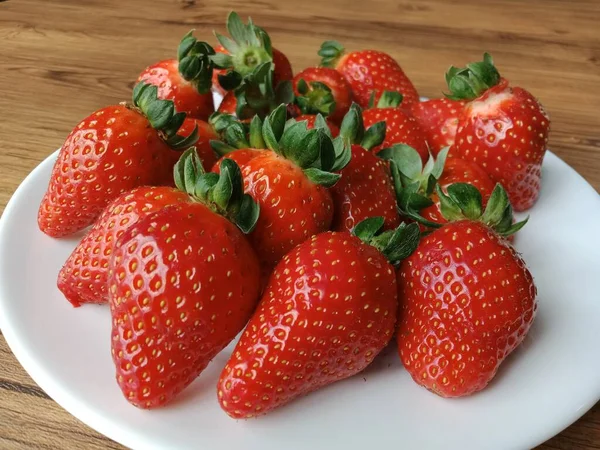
(415, 184)
(82, 278)
(369, 73)
(438, 118)
(183, 282)
(229, 104)
(248, 47)
(288, 179)
(365, 188)
(322, 90)
(311, 122)
(110, 152)
(401, 128)
(185, 80)
(469, 299)
(503, 129)
(328, 310)
(206, 133)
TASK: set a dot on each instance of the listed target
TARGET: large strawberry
(185, 80)
(401, 128)
(110, 152)
(369, 73)
(82, 278)
(322, 90)
(328, 310)
(504, 129)
(469, 299)
(183, 282)
(365, 188)
(288, 179)
(414, 184)
(248, 47)
(438, 119)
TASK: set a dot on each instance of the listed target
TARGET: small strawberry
(329, 308)
(248, 48)
(288, 179)
(369, 73)
(206, 133)
(401, 128)
(110, 152)
(438, 118)
(82, 278)
(469, 299)
(322, 90)
(415, 184)
(185, 80)
(503, 129)
(365, 188)
(183, 282)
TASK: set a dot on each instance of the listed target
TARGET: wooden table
(62, 59)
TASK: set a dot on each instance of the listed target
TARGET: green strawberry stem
(249, 46)
(470, 82)
(388, 99)
(315, 98)
(330, 52)
(464, 201)
(162, 116)
(314, 151)
(396, 244)
(195, 64)
(223, 193)
(353, 129)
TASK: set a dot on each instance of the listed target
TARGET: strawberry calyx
(353, 130)
(413, 183)
(388, 99)
(395, 245)
(315, 98)
(249, 47)
(464, 201)
(223, 193)
(162, 116)
(195, 64)
(330, 53)
(470, 82)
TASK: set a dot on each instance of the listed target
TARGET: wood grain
(62, 59)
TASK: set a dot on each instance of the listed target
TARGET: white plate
(549, 382)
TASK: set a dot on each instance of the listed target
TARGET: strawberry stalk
(162, 116)
(388, 99)
(353, 130)
(330, 52)
(395, 245)
(470, 82)
(315, 98)
(195, 64)
(223, 193)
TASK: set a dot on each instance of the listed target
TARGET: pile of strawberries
(324, 213)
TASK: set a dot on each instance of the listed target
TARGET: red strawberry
(438, 118)
(110, 152)
(206, 133)
(241, 157)
(368, 72)
(401, 128)
(182, 283)
(503, 129)
(365, 188)
(82, 278)
(469, 299)
(328, 310)
(288, 181)
(185, 80)
(322, 90)
(229, 104)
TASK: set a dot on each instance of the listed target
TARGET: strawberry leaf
(374, 136)
(321, 177)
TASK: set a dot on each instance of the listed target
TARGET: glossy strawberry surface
(328, 310)
(438, 118)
